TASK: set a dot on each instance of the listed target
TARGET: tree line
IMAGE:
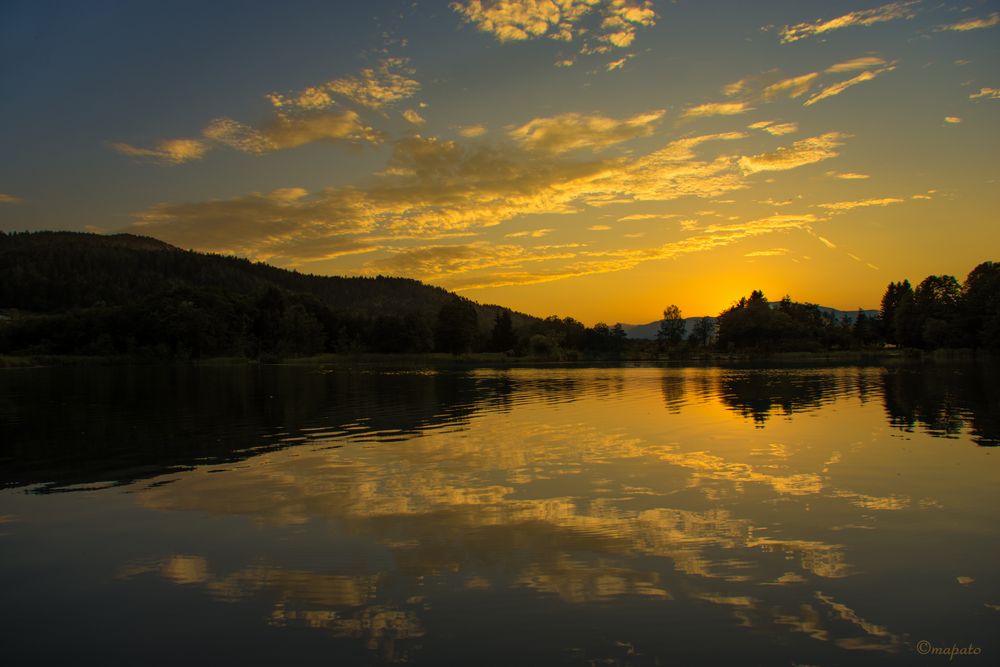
(939, 313)
(64, 293)
(84, 294)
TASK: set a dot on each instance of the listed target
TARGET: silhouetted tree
(936, 303)
(980, 311)
(457, 326)
(671, 331)
(503, 338)
(701, 333)
(889, 306)
(866, 331)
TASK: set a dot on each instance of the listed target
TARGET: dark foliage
(71, 293)
(941, 313)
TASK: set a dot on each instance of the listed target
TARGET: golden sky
(592, 158)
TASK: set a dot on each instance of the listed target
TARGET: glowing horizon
(598, 159)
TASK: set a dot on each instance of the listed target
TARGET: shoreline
(500, 360)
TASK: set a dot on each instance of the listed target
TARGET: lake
(584, 516)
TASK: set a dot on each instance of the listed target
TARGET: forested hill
(68, 292)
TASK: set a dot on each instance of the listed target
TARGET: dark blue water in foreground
(585, 516)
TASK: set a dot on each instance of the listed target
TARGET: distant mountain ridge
(648, 331)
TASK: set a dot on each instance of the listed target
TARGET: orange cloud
(802, 152)
(374, 87)
(168, 151)
(571, 131)
(973, 24)
(864, 17)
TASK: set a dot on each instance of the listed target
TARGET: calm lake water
(609, 516)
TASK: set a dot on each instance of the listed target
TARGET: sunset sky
(592, 158)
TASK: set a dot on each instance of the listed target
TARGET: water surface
(628, 516)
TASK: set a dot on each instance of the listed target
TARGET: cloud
(952, 120)
(988, 93)
(848, 205)
(838, 88)
(773, 252)
(570, 131)
(287, 222)
(802, 152)
(169, 151)
(299, 119)
(716, 109)
(374, 87)
(562, 20)
(413, 117)
(866, 62)
(286, 131)
(793, 87)
(480, 266)
(433, 189)
(617, 64)
(863, 17)
(973, 24)
(776, 202)
(442, 261)
(736, 88)
(532, 233)
(829, 244)
(776, 129)
(9, 199)
(847, 175)
(598, 228)
(471, 131)
(647, 216)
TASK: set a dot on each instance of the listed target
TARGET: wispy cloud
(987, 93)
(647, 216)
(9, 199)
(168, 151)
(433, 189)
(952, 120)
(865, 62)
(570, 131)
(290, 131)
(861, 203)
(598, 228)
(531, 233)
(716, 109)
(795, 86)
(847, 175)
(863, 17)
(472, 131)
(618, 64)
(594, 262)
(374, 87)
(838, 88)
(774, 128)
(776, 202)
(973, 24)
(772, 252)
(301, 118)
(445, 261)
(802, 152)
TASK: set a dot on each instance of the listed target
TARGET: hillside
(62, 291)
